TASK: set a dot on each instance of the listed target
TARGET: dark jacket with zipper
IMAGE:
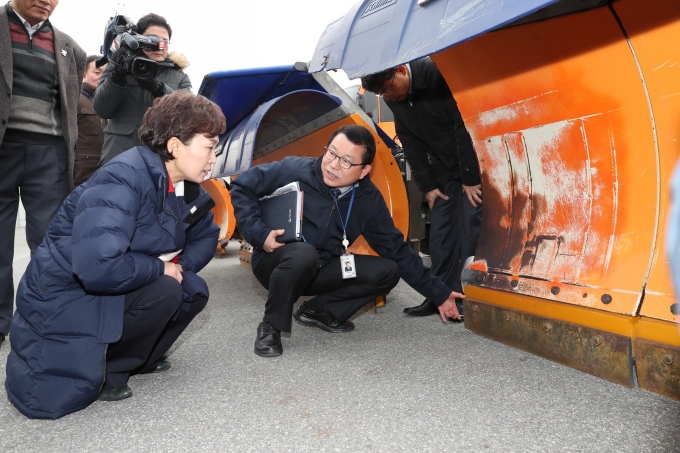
(429, 125)
(321, 225)
(103, 243)
(90, 137)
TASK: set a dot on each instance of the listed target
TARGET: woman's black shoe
(117, 394)
(163, 365)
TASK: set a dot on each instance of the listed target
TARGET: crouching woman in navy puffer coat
(114, 283)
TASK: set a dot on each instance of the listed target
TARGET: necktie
(335, 193)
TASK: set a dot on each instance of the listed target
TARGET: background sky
(215, 35)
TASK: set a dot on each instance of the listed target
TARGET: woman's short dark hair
(181, 114)
(358, 135)
(151, 20)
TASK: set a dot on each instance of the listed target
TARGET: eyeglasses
(388, 90)
(344, 163)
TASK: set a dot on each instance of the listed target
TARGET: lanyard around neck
(344, 223)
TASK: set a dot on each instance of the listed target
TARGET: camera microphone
(130, 41)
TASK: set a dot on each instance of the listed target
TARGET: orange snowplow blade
(575, 122)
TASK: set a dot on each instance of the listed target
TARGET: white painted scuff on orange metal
(538, 140)
(656, 293)
(615, 201)
(500, 172)
(562, 189)
(510, 111)
(491, 117)
(567, 193)
(661, 66)
(590, 201)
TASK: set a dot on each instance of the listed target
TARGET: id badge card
(349, 270)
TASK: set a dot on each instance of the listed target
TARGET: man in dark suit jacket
(313, 267)
(42, 71)
(439, 150)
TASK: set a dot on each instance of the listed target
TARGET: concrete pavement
(394, 384)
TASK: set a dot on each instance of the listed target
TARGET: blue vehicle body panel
(240, 92)
(379, 34)
(272, 121)
(246, 96)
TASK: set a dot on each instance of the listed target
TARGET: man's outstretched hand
(449, 309)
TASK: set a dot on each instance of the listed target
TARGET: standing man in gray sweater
(42, 71)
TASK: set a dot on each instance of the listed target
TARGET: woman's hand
(173, 270)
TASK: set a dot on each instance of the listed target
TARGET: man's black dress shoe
(324, 320)
(117, 394)
(427, 308)
(163, 365)
(2, 338)
(268, 341)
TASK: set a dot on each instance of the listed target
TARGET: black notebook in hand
(282, 210)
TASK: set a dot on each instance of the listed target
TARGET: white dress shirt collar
(30, 29)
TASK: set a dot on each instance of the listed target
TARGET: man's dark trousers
(454, 231)
(39, 175)
(149, 329)
(293, 270)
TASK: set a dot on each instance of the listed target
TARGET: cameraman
(123, 99)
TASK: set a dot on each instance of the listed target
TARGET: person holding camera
(122, 98)
(115, 282)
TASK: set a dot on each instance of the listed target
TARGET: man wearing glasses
(340, 203)
(123, 99)
(444, 164)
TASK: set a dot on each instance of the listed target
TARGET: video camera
(121, 33)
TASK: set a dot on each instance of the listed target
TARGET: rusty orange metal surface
(593, 351)
(223, 212)
(655, 343)
(587, 317)
(658, 368)
(575, 121)
(575, 129)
